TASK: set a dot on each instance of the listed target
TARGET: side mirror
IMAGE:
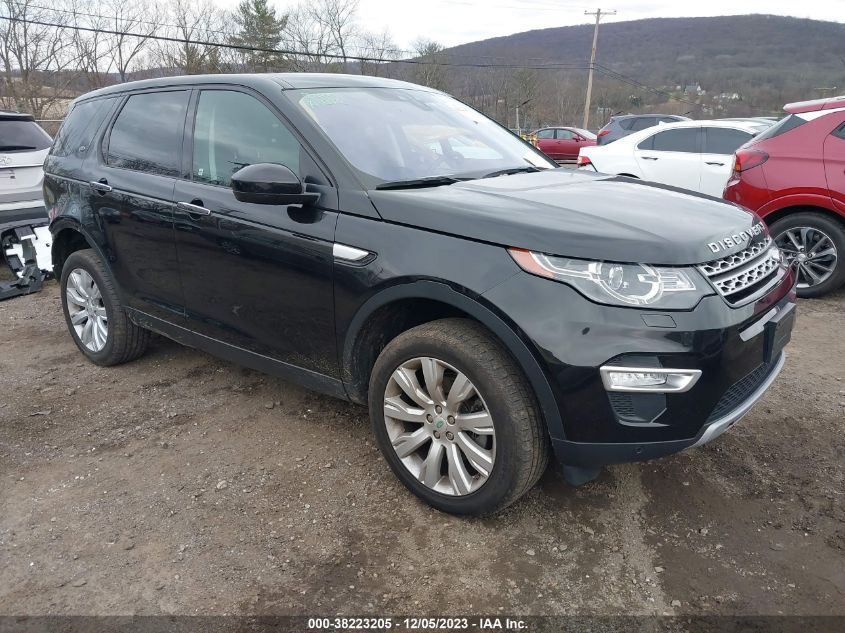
(270, 183)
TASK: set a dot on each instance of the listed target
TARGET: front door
(255, 276)
(567, 144)
(131, 194)
(671, 157)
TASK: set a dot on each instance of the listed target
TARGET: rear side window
(21, 135)
(147, 134)
(840, 131)
(723, 140)
(625, 124)
(680, 140)
(643, 123)
(546, 134)
(80, 126)
(233, 130)
(782, 127)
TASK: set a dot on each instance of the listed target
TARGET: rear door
(671, 157)
(834, 165)
(719, 145)
(131, 195)
(255, 276)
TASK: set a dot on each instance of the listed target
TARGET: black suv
(384, 243)
(621, 126)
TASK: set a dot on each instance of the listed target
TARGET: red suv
(793, 176)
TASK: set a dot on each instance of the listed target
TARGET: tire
(519, 444)
(818, 225)
(123, 340)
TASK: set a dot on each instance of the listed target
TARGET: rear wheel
(94, 314)
(815, 246)
(455, 418)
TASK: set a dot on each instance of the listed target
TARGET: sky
(452, 22)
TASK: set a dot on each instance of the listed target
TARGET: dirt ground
(181, 484)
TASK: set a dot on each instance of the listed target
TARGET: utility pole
(598, 13)
(518, 127)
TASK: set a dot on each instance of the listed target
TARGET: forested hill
(778, 58)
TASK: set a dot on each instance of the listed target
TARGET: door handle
(193, 209)
(713, 162)
(100, 186)
(649, 157)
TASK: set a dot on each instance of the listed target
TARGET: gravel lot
(180, 484)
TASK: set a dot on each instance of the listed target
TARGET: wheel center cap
(439, 422)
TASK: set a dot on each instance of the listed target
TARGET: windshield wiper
(11, 148)
(414, 183)
(512, 170)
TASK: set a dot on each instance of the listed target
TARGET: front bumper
(590, 455)
(574, 337)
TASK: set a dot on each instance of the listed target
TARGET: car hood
(578, 214)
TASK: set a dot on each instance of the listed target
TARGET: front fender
(446, 294)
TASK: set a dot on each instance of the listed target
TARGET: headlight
(619, 284)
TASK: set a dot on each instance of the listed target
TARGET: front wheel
(455, 418)
(815, 246)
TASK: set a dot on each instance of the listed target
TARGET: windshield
(20, 135)
(585, 133)
(390, 134)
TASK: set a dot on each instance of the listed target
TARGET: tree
(260, 27)
(429, 72)
(34, 57)
(199, 26)
(379, 47)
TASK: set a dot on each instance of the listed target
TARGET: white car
(24, 237)
(694, 155)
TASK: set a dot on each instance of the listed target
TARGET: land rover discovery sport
(384, 243)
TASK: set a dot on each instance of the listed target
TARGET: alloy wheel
(811, 252)
(86, 310)
(439, 426)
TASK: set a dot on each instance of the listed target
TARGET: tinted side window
(783, 126)
(626, 124)
(147, 134)
(643, 123)
(233, 130)
(546, 134)
(722, 140)
(682, 140)
(78, 129)
(840, 131)
(564, 135)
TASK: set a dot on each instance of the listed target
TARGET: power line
(556, 66)
(279, 51)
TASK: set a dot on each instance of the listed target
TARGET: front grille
(743, 276)
(740, 391)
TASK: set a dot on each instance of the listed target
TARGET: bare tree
(336, 18)
(137, 18)
(429, 72)
(34, 57)
(199, 26)
(379, 47)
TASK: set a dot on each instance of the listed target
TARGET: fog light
(632, 379)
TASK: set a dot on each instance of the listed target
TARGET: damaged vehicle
(385, 243)
(24, 235)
